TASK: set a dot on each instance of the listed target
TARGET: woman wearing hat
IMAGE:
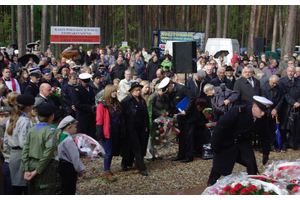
(16, 131)
(70, 165)
(134, 143)
(108, 125)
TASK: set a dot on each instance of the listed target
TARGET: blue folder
(182, 104)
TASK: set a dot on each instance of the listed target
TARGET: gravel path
(164, 176)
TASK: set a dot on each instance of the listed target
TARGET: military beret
(46, 109)
(25, 99)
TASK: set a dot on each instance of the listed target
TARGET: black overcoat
(233, 133)
(245, 90)
(129, 112)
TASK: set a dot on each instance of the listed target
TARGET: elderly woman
(136, 119)
(158, 102)
(223, 99)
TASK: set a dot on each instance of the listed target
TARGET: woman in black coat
(152, 67)
(135, 139)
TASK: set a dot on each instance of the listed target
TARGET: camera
(222, 86)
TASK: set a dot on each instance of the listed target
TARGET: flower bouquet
(162, 131)
(56, 93)
(242, 184)
(208, 113)
(88, 146)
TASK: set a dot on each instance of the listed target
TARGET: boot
(108, 176)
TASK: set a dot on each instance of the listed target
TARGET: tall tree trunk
(251, 30)
(183, 18)
(256, 30)
(243, 27)
(126, 22)
(267, 24)
(32, 23)
(275, 27)
(290, 31)
(159, 17)
(21, 30)
(97, 22)
(280, 25)
(13, 24)
(106, 25)
(207, 23)
(140, 36)
(198, 18)
(27, 25)
(219, 26)
(52, 22)
(44, 29)
(225, 21)
(188, 18)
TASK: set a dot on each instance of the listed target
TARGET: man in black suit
(229, 75)
(209, 73)
(291, 103)
(221, 78)
(247, 86)
(231, 140)
(196, 83)
(274, 93)
(84, 101)
(82, 55)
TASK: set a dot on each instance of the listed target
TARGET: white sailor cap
(65, 122)
(34, 71)
(262, 102)
(3, 48)
(85, 77)
(16, 51)
(76, 66)
(163, 85)
(71, 62)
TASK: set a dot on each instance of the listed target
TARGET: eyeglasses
(212, 63)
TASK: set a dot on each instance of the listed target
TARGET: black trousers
(241, 159)
(68, 178)
(19, 190)
(272, 129)
(186, 141)
(136, 149)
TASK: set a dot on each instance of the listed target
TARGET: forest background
(22, 24)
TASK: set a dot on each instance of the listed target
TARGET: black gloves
(265, 159)
(99, 132)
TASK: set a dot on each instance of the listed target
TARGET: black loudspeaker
(183, 55)
(259, 44)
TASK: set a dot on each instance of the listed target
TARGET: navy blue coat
(232, 133)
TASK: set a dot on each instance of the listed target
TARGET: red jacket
(102, 118)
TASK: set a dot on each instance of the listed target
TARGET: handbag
(207, 152)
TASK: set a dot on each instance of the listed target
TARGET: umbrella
(32, 44)
(69, 53)
(219, 53)
(278, 134)
(155, 47)
(268, 53)
(14, 45)
(24, 59)
(122, 47)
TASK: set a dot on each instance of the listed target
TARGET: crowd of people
(114, 95)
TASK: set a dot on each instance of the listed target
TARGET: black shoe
(144, 173)
(273, 149)
(186, 160)
(124, 168)
(158, 158)
(284, 148)
(176, 158)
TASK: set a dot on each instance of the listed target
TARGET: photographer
(223, 99)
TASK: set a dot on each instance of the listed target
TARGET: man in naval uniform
(34, 83)
(186, 119)
(84, 102)
(231, 139)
